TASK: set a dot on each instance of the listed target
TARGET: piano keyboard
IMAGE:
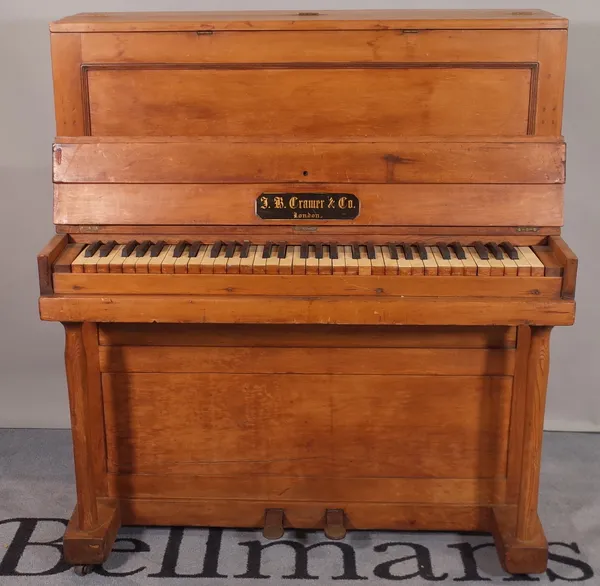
(310, 258)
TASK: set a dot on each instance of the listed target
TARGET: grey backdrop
(32, 384)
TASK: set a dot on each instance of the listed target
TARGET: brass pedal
(273, 528)
(334, 524)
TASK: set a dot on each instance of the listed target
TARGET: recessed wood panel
(305, 425)
(268, 336)
(353, 100)
(409, 361)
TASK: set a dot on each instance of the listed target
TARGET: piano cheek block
(259, 269)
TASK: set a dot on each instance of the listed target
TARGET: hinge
(305, 228)
(204, 32)
(527, 229)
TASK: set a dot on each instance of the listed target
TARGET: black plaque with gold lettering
(307, 206)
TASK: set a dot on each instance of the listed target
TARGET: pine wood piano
(308, 265)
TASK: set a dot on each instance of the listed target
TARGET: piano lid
(309, 20)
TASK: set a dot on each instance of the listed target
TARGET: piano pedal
(334, 524)
(273, 528)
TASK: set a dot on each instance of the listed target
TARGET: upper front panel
(310, 102)
(310, 84)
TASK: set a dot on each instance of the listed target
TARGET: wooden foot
(334, 524)
(92, 546)
(273, 528)
(518, 557)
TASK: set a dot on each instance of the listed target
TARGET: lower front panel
(210, 425)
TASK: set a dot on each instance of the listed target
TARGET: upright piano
(308, 264)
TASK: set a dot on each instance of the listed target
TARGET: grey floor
(37, 496)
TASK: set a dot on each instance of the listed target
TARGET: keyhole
(305, 173)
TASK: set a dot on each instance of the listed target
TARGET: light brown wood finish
(519, 396)
(309, 310)
(327, 19)
(446, 491)
(535, 404)
(483, 100)
(80, 380)
(232, 47)
(291, 432)
(46, 258)
(241, 513)
(223, 396)
(382, 205)
(569, 261)
(268, 336)
(68, 86)
(516, 555)
(403, 162)
(411, 361)
(552, 59)
(92, 546)
(315, 285)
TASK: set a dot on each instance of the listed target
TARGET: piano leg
(93, 527)
(519, 536)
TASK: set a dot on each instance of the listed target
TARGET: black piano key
(179, 249)
(371, 251)
(482, 251)
(393, 250)
(268, 250)
(495, 250)
(459, 250)
(106, 248)
(216, 249)
(230, 249)
(421, 250)
(142, 248)
(245, 251)
(92, 248)
(195, 248)
(444, 250)
(156, 249)
(408, 253)
(510, 250)
(318, 250)
(333, 250)
(355, 246)
(282, 250)
(129, 248)
(304, 250)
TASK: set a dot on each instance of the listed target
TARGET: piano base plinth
(92, 546)
(518, 557)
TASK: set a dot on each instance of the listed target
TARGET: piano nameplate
(307, 206)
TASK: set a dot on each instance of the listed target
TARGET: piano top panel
(310, 20)
(117, 77)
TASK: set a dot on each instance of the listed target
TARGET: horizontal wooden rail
(225, 162)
